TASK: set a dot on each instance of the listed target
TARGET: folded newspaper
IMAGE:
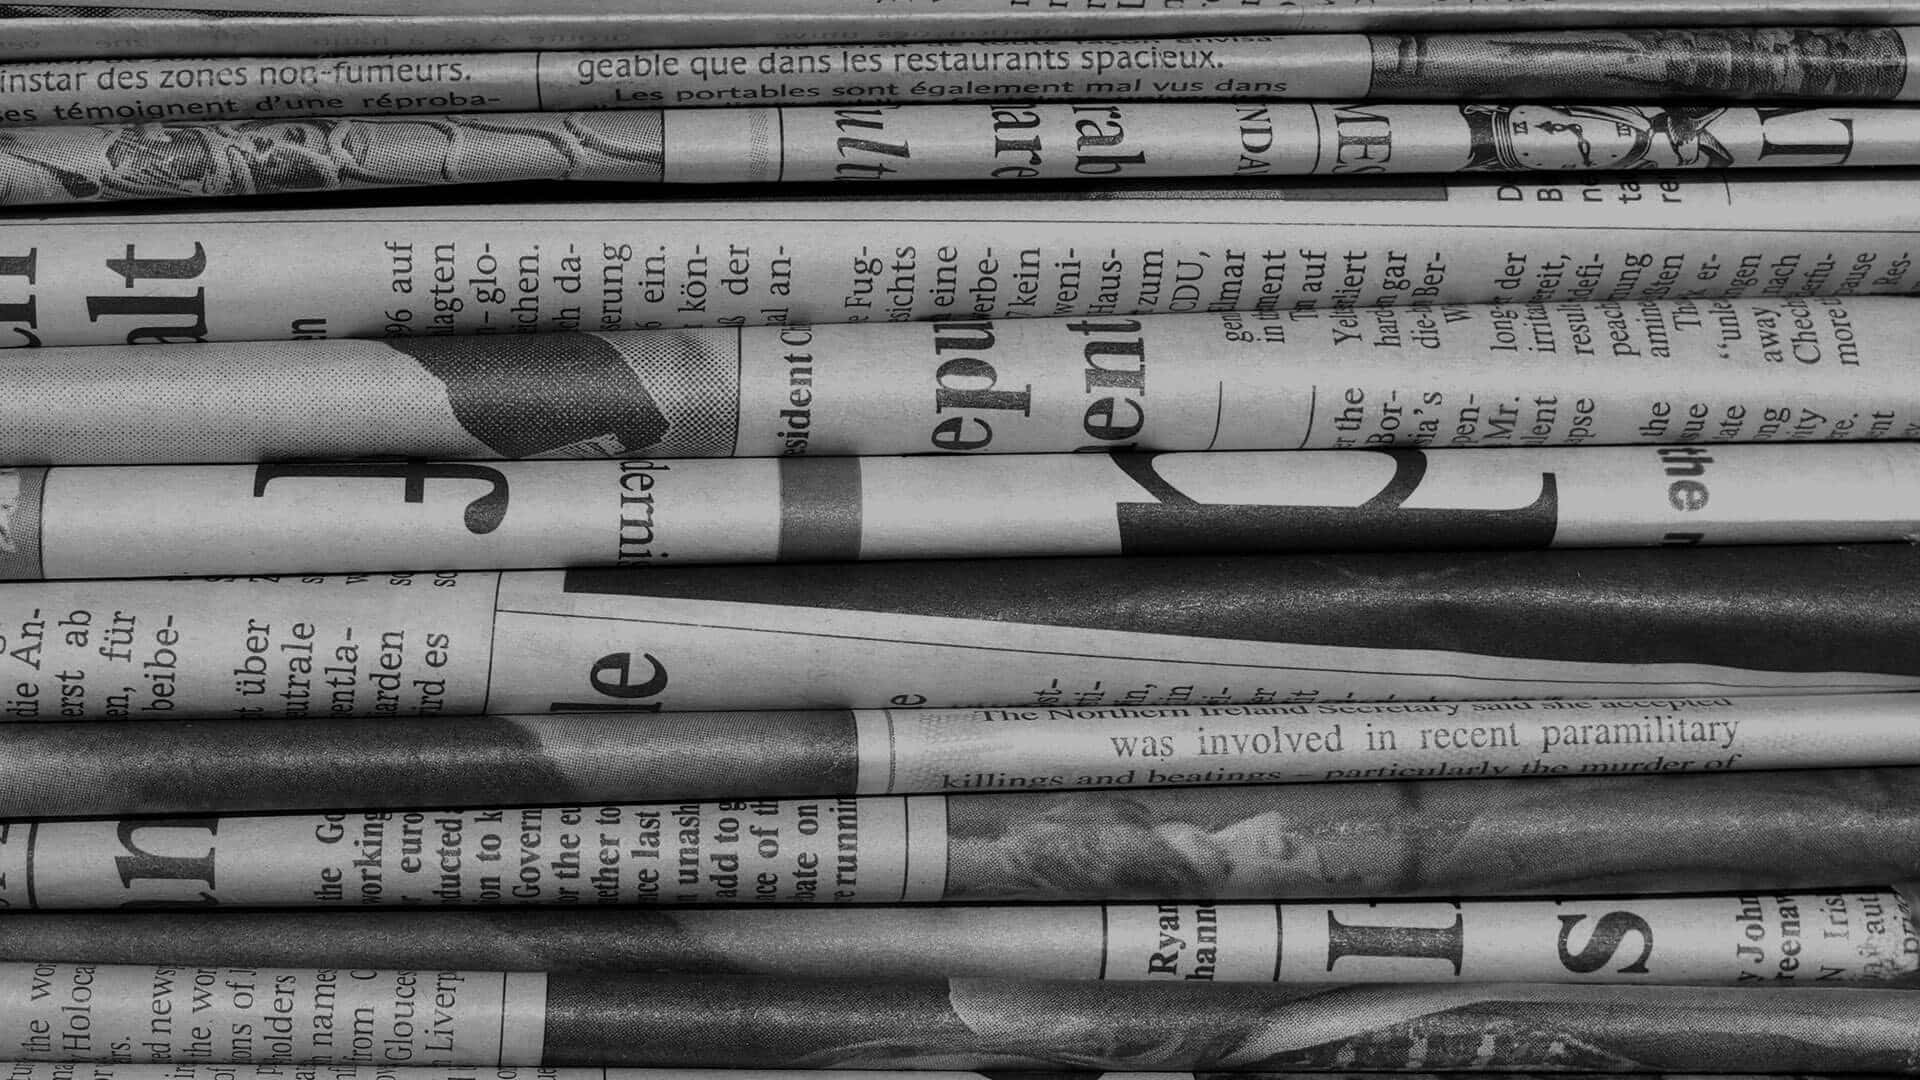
(1830, 938)
(1517, 835)
(227, 27)
(339, 517)
(361, 1017)
(1082, 632)
(405, 270)
(196, 767)
(50, 165)
(1512, 374)
(1714, 64)
(39, 1070)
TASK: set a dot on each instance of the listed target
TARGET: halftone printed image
(581, 395)
(694, 379)
(20, 494)
(1859, 63)
(86, 11)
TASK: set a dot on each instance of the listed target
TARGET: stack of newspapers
(1042, 536)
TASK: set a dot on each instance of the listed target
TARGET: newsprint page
(960, 540)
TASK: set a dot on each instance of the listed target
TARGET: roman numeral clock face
(1554, 138)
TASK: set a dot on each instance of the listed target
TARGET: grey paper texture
(206, 27)
(399, 269)
(1829, 938)
(1710, 832)
(1643, 624)
(339, 517)
(1502, 375)
(758, 1022)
